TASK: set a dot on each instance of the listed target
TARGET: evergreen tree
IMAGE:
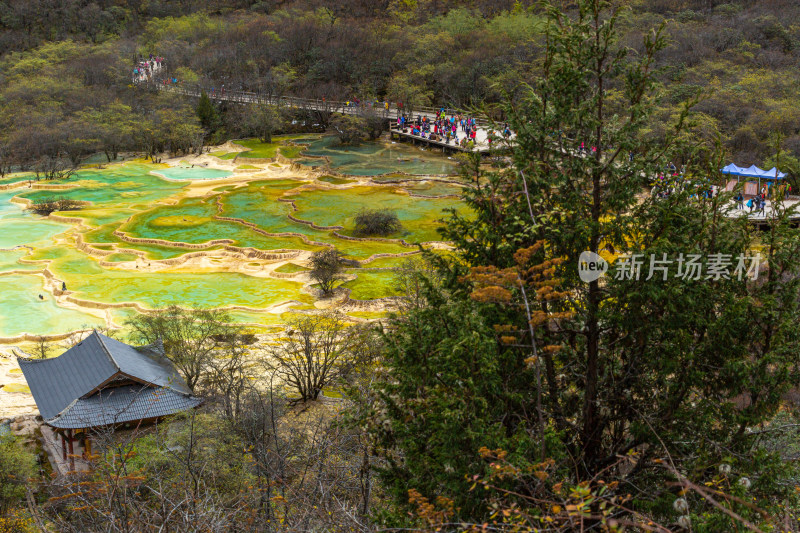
(648, 383)
(207, 113)
(17, 467)
(264, 120)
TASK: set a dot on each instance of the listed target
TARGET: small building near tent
(771, 177)
(102, 383)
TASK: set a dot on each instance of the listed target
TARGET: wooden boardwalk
(384, 110)
(481, 146)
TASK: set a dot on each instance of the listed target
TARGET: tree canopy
(740, 56)
(629, 390)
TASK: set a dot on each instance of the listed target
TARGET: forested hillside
(527, 374)
(741, 58)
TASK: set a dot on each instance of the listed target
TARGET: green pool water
(88, 280)
(374, 158)
(370, 285)
(265, 321)
(122, 185)
(128, 197)
(20, 228)
(190, 221)
(434, 188)
(258, 204)
(105, 234)
(15, 177)
(35, 316)
(338, 207)
(193, 173)
(121, 257)
(334, 180)
(282, 144)
(9, 260)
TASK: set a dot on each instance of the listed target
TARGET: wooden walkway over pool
(389, 112)
(481, 145)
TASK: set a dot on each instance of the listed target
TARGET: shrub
(45, 206)
(377, 222)
(351, 129)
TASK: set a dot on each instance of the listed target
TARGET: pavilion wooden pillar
(63, 446)
(71, 452)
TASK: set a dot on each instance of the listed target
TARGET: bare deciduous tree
(317, 351)
(190, 336)
(42, 347)
(326, 269)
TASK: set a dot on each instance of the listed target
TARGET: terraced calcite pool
(232, 229)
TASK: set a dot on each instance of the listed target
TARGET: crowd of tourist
(674, 180)
(145, 69)
(461, 129)
(758, 202)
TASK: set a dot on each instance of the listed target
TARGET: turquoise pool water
(130, 198)
(375, 158)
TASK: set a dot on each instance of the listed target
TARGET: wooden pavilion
(103, 383)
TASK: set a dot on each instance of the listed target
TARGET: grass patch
(290, 268)
(292, 152)
(257, 149)
(334, 180)
(333, 392)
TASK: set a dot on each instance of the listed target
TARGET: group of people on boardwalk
(754, 202)
(442, 128)
(758, 202)
(460, 128)
(673, 180)
(145, 69)
(368, 104)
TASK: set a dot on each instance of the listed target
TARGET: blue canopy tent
(753, 172)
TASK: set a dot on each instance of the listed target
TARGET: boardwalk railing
(390, 112)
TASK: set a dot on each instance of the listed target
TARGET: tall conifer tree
(644, 381)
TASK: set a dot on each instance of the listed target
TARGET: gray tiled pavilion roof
(61, 386)
(123, 404)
